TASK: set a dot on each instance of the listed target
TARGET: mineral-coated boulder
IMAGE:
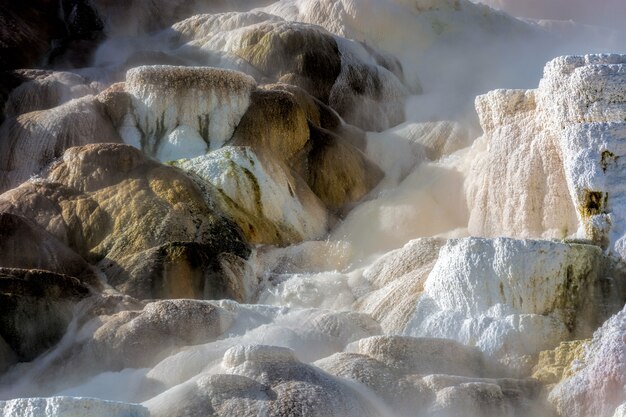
(433, 377)
(554, 162)
(267, 379)
(108, 203)
(182, 112)
(513, 298)
(268, 202)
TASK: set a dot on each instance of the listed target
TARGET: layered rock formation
(264, 379)
(555, 154)
(180, 109)
(271, 126)
(514, 298)
(31, 141)
(364, 90)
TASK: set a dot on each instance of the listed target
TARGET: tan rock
(142, 338)
(308, 136)
(108, 202)
(275, 123)
(337, 172)
(559, 363)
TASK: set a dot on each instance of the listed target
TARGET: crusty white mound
(514, 298)
(552, 159)
(69, 407)
(182, 112)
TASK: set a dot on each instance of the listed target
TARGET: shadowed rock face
(26, 245)
(72, 26)
(337, 172)
(303, 56)
(108, 202)
(274, 123)
(180, 270)
(35, 308)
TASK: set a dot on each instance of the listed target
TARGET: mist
(379, 208)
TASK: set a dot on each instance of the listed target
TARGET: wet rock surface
(291, 211)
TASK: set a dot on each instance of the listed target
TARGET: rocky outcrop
(265, 379)
(341, 73)
(109, 204)
(260, 194)
(171, 113)
(565, 135)
(515, 298)
(181, 112)
(33, 140)
(432, 377)
(277, 123)
(308, 136)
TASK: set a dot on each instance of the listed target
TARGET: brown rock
(26, 245)
(308, 136)
(35, 309)
(108, 202)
